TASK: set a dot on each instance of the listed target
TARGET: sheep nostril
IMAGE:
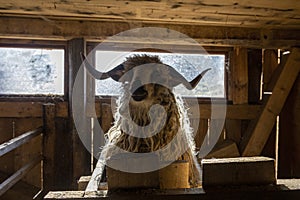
(139, 94)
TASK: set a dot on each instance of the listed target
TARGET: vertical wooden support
(289, 137)
(258, 132)
(202, 131)
(81, 157)
(254, 74)
(233, 130)
(239, 76)
(269, 65)
(49, 147)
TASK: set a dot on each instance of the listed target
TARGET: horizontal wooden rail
(18, 141)
(13, 179)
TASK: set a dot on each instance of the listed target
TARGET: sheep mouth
(139, 94)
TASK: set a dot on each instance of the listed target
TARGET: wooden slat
(20, 109)
(29, 109)
(62, 29)
(81, 156)
(227, 149)
(254, 75)
(232, 111)
(8, 183)
(239, 73)
(209, 12)
(258, 132)
(269, 65)
(18, 141)
(238, 171)
(233, 130)
(49, 147)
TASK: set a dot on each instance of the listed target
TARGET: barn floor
(285, 189)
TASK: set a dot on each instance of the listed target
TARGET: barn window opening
(189, 65)
(31, 71)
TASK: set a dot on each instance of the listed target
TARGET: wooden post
(259, 130)
(81, 157)
(269, 65)
(289, 137)
(239, 76)
(254, 74)
(49, 148)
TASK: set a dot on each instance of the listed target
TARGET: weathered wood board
(238, 171)
(259, 130)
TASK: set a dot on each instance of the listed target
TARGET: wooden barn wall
(289, 135)
(13, 127)
(244, 78)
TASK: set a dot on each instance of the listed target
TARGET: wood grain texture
(258, 132)
(245, 13)
(57, 28)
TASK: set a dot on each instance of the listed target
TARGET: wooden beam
(18, 141)
(98, 30)
(238, 171)
(254, 75)
(232, 111)
(239, 76)
(81, 156)
(49, 138)
(20, 109)
(258, 132)
(227, 149)
(12, 180)
(269, 65)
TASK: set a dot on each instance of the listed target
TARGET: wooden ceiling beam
(64, 29)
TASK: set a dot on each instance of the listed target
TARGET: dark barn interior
(256, 155)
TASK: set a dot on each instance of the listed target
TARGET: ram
(149, 115)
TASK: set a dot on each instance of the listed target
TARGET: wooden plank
(233, 130)
(12, 180)
(239, 73)
(174, 176)
(201, 132)
(29, 109)
(107, 117)
(117, 179)
(257, 134)
(254, 75)
(269, 65)
(232, 111)
(244, 192)
(238, 171)
(81, 157)
(49, 138)
(20, 109)
(33, 148)
(212, 12)
(18, 141)
(97, 30)
(288, 142)
(83, 182)
(227, 149)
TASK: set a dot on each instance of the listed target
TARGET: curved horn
(177, 78)
(115, 73)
